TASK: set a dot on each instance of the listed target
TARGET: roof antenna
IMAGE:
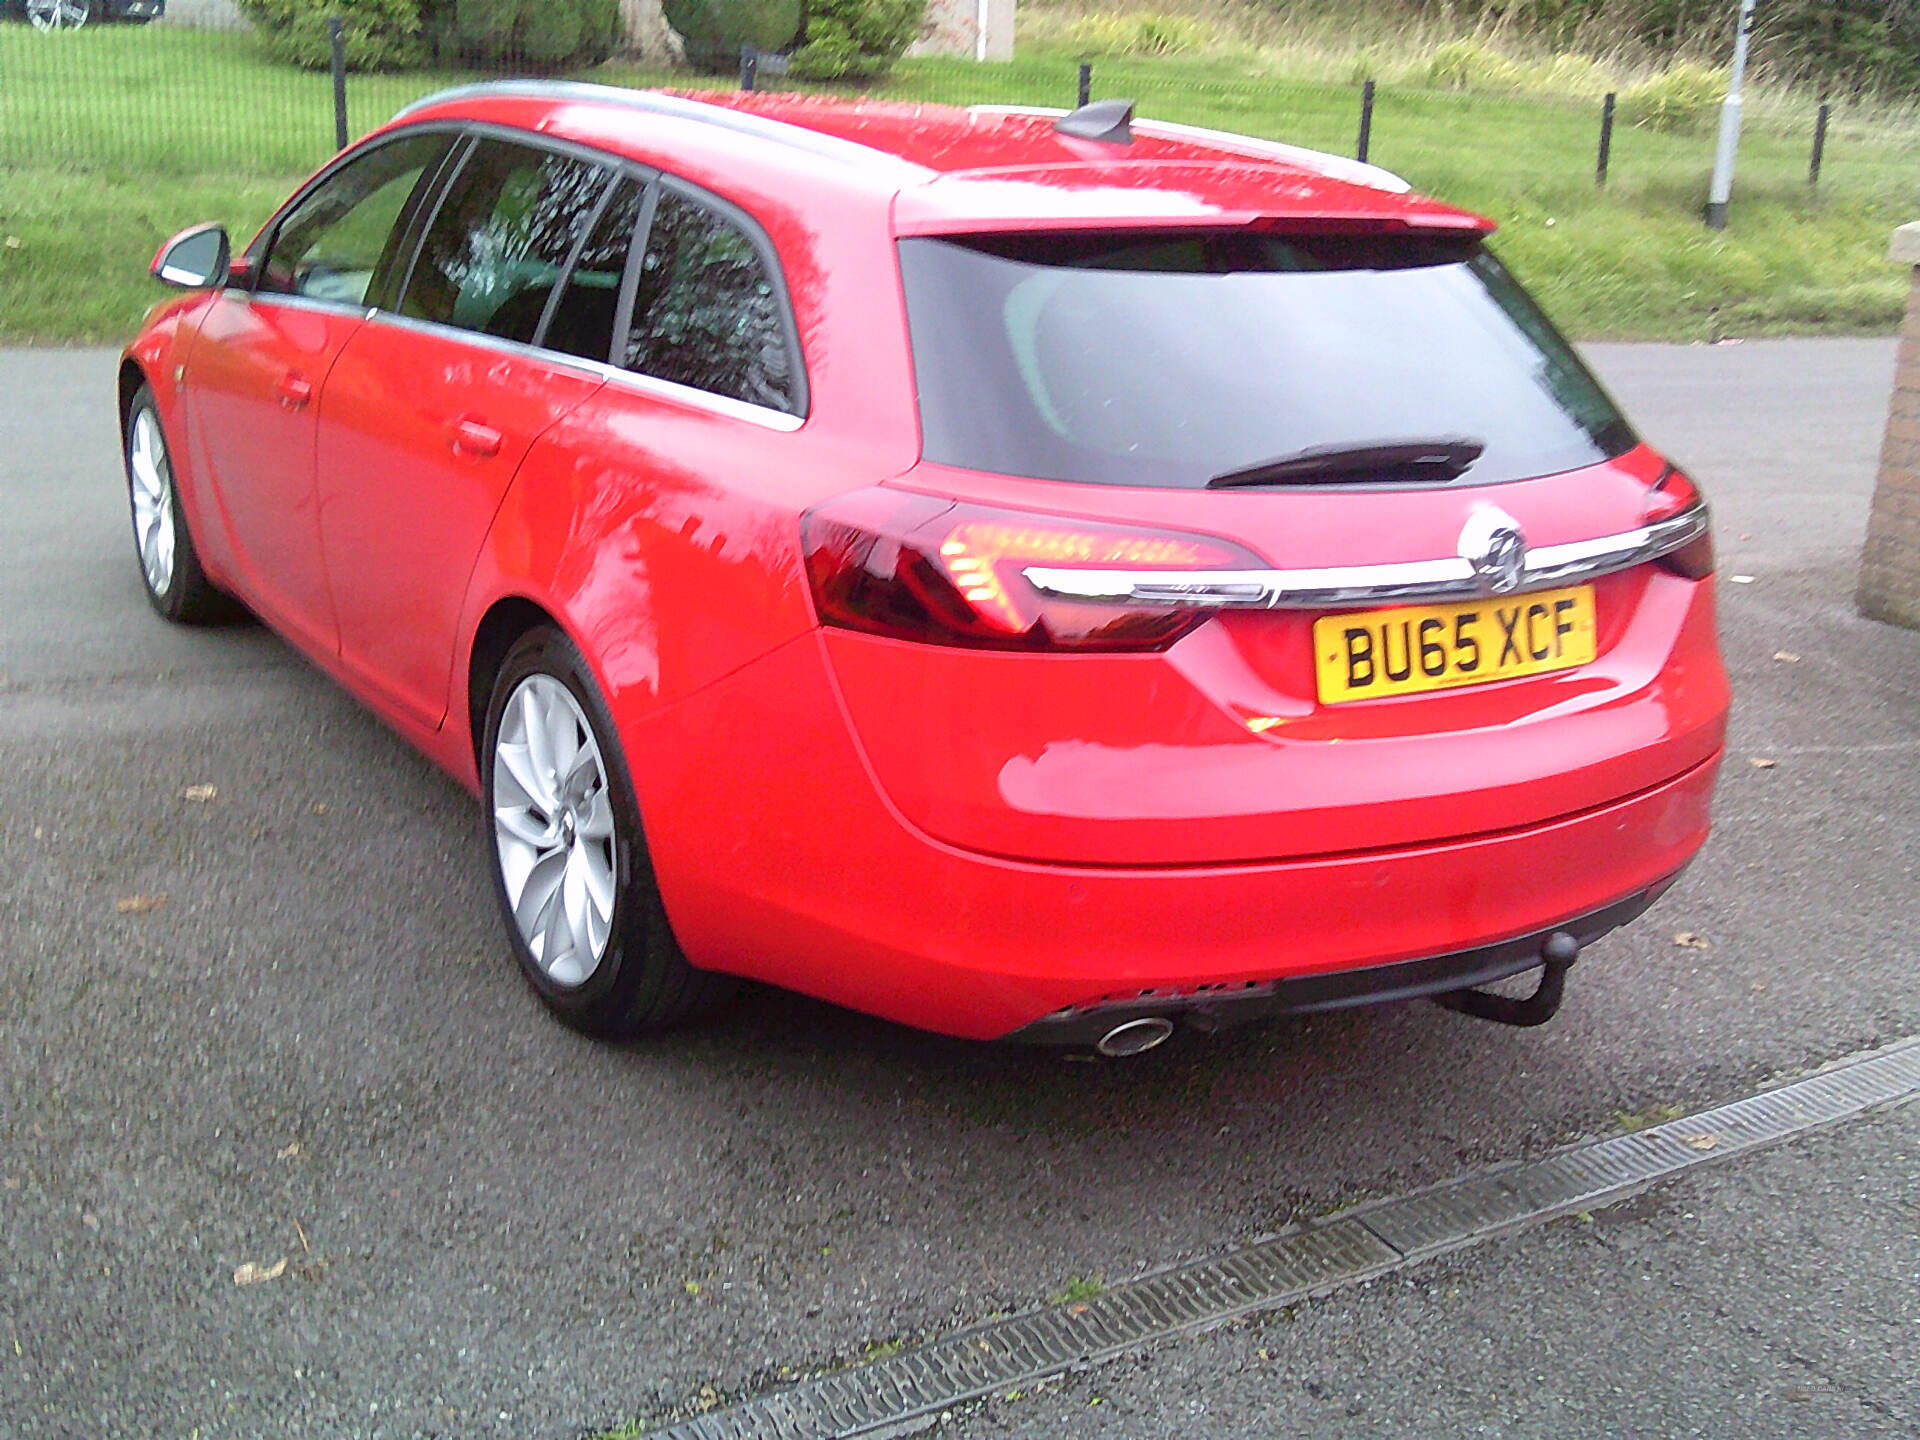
(1108, 121)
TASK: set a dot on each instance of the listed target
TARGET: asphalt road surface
(316, 1048)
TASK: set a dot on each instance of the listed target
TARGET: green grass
(112, 138)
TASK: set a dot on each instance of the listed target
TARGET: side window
(707, 312)
(582, 322)
(342, 241)
(501, 239)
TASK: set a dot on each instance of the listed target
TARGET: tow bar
(1556, 958)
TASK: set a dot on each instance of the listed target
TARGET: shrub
(1465, 65)
(379, 34)
(1569, 75)
(524, 34)
(856, 39)
(1138, 34)
(1679, 98)
(712, 31)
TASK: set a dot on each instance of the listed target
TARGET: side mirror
(196, 259)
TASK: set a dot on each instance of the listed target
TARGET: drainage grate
(1363, 1243)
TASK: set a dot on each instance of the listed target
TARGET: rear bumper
(1335, 990)
(791, 866)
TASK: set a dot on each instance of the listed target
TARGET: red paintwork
(957, 839)
(406, 496)
(251, 441)
(786, 863)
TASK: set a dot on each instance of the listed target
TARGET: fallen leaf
(1704, 1140)
(693, 1287)
(288, 1151)
(252, 1274)
(1760, 762)
(139, 904)
(1687, 940)
(319, 807)
(200, 794)
(1786, 657)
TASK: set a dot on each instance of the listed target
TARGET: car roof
(950, 170)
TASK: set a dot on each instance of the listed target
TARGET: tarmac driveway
(315, 1048)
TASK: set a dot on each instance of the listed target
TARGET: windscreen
(1176, 360)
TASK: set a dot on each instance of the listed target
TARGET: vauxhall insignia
(1493, 544)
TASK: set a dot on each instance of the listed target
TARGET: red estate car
(1023, 575)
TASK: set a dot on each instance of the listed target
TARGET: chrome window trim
(686, 395)
(1357, 586)
(297, 302)
(482, 340)
(697, 399)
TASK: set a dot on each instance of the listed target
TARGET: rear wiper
(1441, 458)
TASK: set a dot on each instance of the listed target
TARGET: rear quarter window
(710, 310)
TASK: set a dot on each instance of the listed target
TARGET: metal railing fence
(178, 99)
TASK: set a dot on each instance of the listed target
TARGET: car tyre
(162, 542)
(568, 856)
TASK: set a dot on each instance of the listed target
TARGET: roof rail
(1334, 167)
(679, 107)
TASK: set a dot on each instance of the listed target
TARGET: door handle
(471, 437)
(294, 390)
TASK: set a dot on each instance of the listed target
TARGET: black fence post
(749, 67)
(1366, 122)
(1819, 143)
(1086, 82)
(1606, 140)
(337, 39)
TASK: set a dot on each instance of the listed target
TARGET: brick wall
(1890, 563)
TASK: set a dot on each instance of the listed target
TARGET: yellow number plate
(1366, 654)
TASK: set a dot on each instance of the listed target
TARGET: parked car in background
(1023, 575)
(72, 14)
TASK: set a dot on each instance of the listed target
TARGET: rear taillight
(1673, 494)
(919, 568)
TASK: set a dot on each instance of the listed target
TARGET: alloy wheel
(150, 478)
(553, 829)
(58, 14)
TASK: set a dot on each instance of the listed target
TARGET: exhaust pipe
(1134, 1037)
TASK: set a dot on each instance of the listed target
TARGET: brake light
(1674, 494)
(914, 567)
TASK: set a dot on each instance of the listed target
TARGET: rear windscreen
(1170, 360)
